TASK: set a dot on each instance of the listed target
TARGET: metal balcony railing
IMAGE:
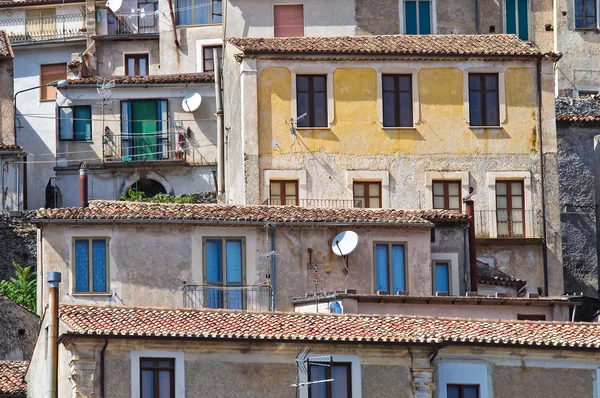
(252, 298)
(144, 146)
(142, 22)
(346, 203)
(44, 28)
(508, 224)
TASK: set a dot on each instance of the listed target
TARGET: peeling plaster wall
(18, 331)
(110, 56)
(510, 381)
(7, 131)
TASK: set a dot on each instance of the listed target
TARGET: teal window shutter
(424, 17)
(82, 255)
(523, 20)
(410, 17)
(381, 267)
(511, 17)
(233, 252)
(213, 273)
(65, 123)
(442, 277)
(398, 269)
(82, 123)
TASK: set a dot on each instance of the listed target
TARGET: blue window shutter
(410, 17)
(233, 249)
(214, 273)
(126, 130)
(99, 264)
(65, 123)
(82, 123)
(335, 307)
(579, 4)
(511, 17)
(381, 270)
(523, 20)
(424, 17)
(162, 127)
(398, 269)
(82, 281)
(442, 277)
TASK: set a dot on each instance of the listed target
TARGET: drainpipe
(83, 185)
(220, 130)
(2, 164)
(470, 205)
(476, 17)
(273, 248)
(172, 15)
(543, 194)
(102, 368)
(54, 279)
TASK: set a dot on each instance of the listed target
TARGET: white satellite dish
(191, 102)
(114, 5)
(344, 243)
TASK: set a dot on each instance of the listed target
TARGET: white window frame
(457, 372)
(370, 176)
(525, 176)
(285, 175)
(354, 361)
(416, 111)
(501, 71)
(529, 19)
(200, 44)
(433, 8)
(452, 260)
(330, 101)
(597, 19)
(431, 176)
(289, 4)
(179, 358)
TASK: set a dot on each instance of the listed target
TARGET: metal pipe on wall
(470, 205)
(54, 279)
(542, 178)
(220, 130)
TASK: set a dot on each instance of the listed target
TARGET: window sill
(594, 29)
(82, 141)
(199, 25)
(492, 128)
(313, 128)
(47, 99)
(82, 294)
(399, 128)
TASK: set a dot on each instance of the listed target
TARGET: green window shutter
(424, 17)
(523, 20)
(511, 17)
(410, 17)
(82, 125)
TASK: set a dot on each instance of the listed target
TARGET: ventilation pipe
(83, 185)
(470, 205)
(54, 279)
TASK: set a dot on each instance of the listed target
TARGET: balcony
(129, 25)
(44, 28)
(336, 203)
(251, 298)
(153, 146)
(503, 224)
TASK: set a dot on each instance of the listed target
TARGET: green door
(145, 140)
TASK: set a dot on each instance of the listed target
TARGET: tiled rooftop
(9, 147)
(489, 275)
(226, 324)
(12, 377)
(578, 110)
(430, 45)
(152, 79)
(114, 210)
(5, 48)
(21, 3)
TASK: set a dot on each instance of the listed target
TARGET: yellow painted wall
(356, 129)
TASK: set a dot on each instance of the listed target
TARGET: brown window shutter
(289, 20)
(48, 74)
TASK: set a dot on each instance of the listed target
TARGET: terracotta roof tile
(152, 79)
(489, 275)
(226, 324)
(12, 377)
(578, 110)
(115, 210)
(21, 3)
(5, 48)
(436, 45)
(11, 146)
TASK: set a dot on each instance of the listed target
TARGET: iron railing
(124, 24)
(252, 298)
(346, 203)
(44, 28)
(508, 224)
(144, 146)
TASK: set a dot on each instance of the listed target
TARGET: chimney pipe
(470, 205)
(83, 185)
(54, 279)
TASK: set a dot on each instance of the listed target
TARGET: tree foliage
(22, 288)
(134, 195)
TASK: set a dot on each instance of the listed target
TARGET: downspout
(465, 257)
(2, 163)
(543, 194)
(172, 15)
(273, 248)
(470, 205)
(17, 182)
(102, 395)
(220, 130)
(476, 17)
(25, 206)
(54, 279)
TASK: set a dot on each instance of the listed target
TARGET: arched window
(149, 187)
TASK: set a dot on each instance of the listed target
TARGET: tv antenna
(105, 90)
(343, 244)
(303, 361)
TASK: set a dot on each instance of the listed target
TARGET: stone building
(18, 331)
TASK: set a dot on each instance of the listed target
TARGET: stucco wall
(110, 56)
(7, 135)
(527, 382)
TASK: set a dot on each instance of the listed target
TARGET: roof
(21, 3)
(12, 377)
(578, 110)
(182, 78)
(212, 213)
(488, 275)
(420, 45)
(10, 147)
(5, 48)
(128, 322)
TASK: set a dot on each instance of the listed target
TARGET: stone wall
(17, 243)
(18, 331)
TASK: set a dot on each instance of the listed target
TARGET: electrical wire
(40, 116)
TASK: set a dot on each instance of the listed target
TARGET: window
(446, 195)
(585, 14)
(40, 24)
(367, 194)
(144, 130)
(311, 95)
(75, 123)
(48, 74)
(441, 277)
(91, 265)
(209, 60)
(157, 378)
(510, 208)
(199, 12)
(517, 18)
(136, 64)
(531, 317)
(340, 387)
(288, 20)
(484, 109)
(224, 267)
(397, 101)
(417, 17)
(390, 272)
(462, 391)
(283, 193)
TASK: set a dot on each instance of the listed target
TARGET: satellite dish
(114, 5)
(344, 243)
(191, 102)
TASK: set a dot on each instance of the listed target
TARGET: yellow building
(410, 122)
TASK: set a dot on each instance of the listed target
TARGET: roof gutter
(133, 85)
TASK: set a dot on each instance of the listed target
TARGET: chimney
(470, 205)
(83, 185)
(54, 279)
